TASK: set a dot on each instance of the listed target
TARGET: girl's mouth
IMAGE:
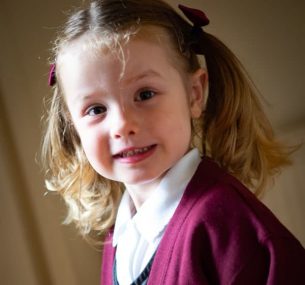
(135, 154)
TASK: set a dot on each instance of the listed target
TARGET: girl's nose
(123, 124)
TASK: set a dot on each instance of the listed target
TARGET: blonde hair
(233, 128)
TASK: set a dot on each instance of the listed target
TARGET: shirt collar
(155, 213)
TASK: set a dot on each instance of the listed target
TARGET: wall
(268, 37)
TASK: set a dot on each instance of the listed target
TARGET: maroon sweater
(221, 234)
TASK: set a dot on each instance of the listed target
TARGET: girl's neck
(139, 193)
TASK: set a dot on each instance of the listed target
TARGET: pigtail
(91, 200)
(236, 131)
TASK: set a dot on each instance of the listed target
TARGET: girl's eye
(96, 110)
(145, 95)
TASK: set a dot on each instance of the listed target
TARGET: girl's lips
(133, 155)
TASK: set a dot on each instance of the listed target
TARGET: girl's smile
(133, 119)
(134, 155)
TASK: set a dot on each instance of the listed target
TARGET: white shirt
(138, 236)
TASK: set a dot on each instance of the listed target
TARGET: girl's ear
(199, 82)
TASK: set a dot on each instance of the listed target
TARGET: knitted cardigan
(220, 234)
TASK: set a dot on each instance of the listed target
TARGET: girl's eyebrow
(87, 95)
(142, 75)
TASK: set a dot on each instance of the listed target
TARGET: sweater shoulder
(222, 204)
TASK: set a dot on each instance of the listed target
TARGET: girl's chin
(147, 182)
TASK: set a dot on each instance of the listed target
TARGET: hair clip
(197, 17)
(52, 75)
(199, 20)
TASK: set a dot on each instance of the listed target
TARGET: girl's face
(133, 119)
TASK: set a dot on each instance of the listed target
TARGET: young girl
(144, 155)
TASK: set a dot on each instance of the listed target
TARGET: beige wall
(35, 248)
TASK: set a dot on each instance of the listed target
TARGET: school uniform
(219, 233)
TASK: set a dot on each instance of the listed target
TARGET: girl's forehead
(117, 45)
(125, 61)
(129, 52)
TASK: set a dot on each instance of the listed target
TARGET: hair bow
(52, 75)
(197, 17)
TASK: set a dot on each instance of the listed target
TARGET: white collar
(153, 216)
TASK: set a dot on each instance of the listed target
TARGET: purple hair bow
(197, 17)
(52, 75)
(199, 20)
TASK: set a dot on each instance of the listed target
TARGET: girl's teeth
(135, 151)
